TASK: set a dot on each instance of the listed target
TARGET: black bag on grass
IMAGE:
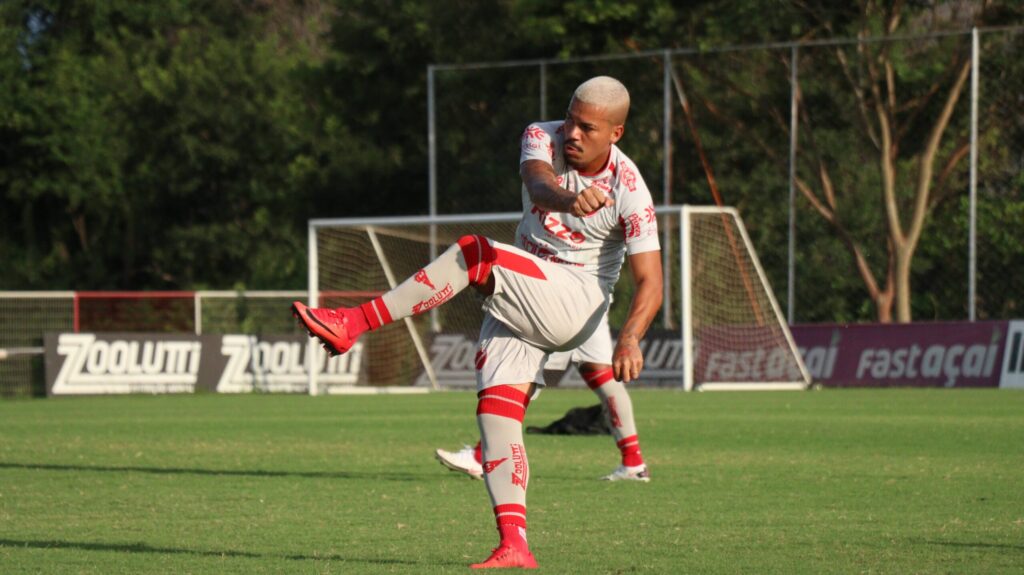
(577, 421)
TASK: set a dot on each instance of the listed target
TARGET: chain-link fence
(880, 178)
(24, 318)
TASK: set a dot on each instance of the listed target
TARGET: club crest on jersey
(628, 176)
(421, 276)
(650, 214)
(520, 470)
(490, 466)
(602, 184)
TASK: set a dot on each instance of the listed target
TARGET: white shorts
(597, 349)
(537, 308)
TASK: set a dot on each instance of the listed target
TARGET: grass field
(872, 481)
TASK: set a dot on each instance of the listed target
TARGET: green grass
(872, 481)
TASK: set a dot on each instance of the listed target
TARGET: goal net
(355, 259)
(732, 326)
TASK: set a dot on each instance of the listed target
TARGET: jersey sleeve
(537, 144)
(636, 211)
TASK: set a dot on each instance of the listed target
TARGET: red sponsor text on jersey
(556, 228)
(628, 176)
(632, 225)
(602, 185)
(542, 252)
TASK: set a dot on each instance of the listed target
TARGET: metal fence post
(435, 324)
(972, 248)
(794, 79)
(666, 165)
(543, 92)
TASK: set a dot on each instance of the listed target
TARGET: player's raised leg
(619, 409)
(500, 412)
(467, 262)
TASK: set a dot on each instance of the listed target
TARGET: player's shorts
(597, 349)
(537, 308)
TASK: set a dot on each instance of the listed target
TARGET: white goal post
(720, 312)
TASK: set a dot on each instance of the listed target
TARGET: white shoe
(462, 461)
(624, 473)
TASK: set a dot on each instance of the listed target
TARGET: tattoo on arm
(545, 193)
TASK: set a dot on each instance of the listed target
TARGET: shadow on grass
(977, 544)
(144, 548)
(383, 475)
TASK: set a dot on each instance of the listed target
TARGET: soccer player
(584, 194)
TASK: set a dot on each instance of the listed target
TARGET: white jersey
(597, 243)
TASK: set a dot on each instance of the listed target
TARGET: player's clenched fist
(589, 201)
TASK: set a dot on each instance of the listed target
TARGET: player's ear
(617, 132)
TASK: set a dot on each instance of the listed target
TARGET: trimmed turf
(867, 481)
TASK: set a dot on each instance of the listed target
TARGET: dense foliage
(184, 144)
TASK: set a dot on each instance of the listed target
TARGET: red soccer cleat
(508, 557)
(327, 325)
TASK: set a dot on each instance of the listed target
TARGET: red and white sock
(467, 262)
(619, 408)
(499, 413)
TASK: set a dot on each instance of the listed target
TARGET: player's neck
(596, 168)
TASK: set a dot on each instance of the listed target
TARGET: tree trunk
(902, 281)
(883, 306)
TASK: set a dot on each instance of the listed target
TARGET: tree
(898, 102)
(882, 135)
(150, 146)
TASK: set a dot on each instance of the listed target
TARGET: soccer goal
(354, 259)
(734, 334)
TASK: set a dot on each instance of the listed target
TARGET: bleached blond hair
(606, 92)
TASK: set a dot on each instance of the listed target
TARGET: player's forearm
(642, 310)
(548, 195)
(542, 186)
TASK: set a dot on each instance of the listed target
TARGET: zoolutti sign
(119, 363)
(942, 354)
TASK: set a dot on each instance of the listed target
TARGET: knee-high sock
(499, 414)
(619, 408)
(467, 262)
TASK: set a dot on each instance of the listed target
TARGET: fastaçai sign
(120, 363)
(939, 354)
